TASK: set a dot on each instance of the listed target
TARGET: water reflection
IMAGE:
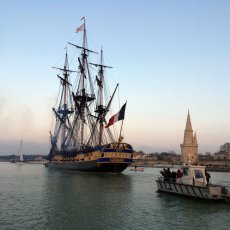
(86, 199)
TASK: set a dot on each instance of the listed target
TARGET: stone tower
(189, 149)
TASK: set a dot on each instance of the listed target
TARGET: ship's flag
(117, 117)
(80, 28)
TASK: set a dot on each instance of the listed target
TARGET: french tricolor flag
(117, 117)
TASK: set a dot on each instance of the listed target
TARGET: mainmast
(82, 97)
(83, 105)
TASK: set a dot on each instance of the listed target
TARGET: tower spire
(189, 148)
(188, 123)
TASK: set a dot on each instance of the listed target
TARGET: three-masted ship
(82, 139)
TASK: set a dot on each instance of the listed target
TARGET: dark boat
(82, 138)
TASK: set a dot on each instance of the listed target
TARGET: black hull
(88, 166)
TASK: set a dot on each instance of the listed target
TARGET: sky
(169, 56)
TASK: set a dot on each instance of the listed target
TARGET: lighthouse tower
(189, 148)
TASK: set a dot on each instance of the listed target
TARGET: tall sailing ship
(83, 138)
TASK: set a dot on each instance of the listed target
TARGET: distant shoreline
(211, 169)
(27, 162)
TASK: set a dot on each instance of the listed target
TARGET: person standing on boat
(207, 175)
(168, 174)
(163, 172)
(173, 176)
(179, 174)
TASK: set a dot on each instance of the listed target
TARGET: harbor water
(35, 197)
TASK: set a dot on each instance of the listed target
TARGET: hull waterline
(90, 166)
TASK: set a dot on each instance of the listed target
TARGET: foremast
(63, 111)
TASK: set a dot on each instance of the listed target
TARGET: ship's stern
(115, 157)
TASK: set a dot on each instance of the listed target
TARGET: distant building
(138, 155)
(202, 157)
(222, 155)
(189, 148)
